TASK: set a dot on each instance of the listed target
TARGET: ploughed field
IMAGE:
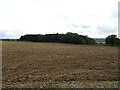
(44, 65)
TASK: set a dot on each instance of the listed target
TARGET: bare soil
(45, 65)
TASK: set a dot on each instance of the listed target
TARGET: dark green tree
(111, 40)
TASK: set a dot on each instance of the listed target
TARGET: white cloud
(54, 16)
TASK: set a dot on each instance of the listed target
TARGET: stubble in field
(38, 65)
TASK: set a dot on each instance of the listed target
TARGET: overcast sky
(95, 18)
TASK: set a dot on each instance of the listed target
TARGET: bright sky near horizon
(95, 18)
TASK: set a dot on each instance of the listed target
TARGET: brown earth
(38, 65)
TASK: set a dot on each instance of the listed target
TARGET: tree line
(69, 37)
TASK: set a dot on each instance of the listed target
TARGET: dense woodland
(63, 38)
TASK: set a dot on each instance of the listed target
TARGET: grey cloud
(75, 25)
(79, 28)
(106, 29)
(85, 26)
(10, 34)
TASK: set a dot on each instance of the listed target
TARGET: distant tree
(112, 40)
